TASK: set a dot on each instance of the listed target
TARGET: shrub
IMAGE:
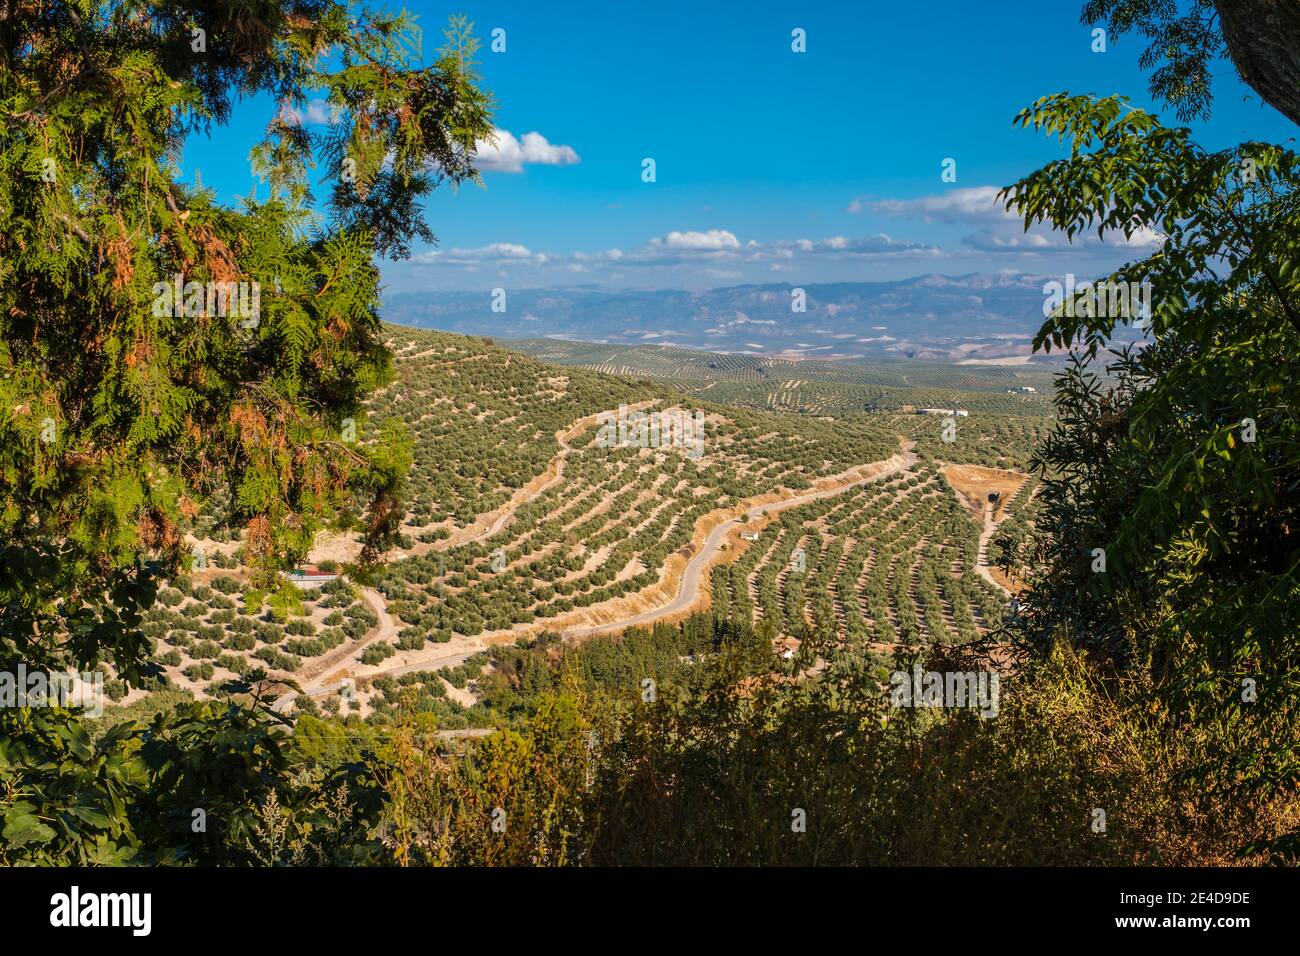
(304, 647)
(278, 659)
(199, 671)
(225, 584)
(410, 639)
(377, 653)
(241, 642)
(269, 633)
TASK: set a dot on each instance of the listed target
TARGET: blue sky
(771, 165)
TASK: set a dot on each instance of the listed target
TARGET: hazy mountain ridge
(943, 318)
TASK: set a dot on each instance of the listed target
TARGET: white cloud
(721, 245)
(996, 229)
(987, 240)
(976, 204)
(716, 254)
(509, 154)
(878, 245)
(1143, 237)
(713, 239)
(496, 252)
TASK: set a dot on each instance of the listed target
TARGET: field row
(887, 563)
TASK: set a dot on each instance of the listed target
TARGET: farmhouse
(957, 412)
(310, 577)
(1022, 390)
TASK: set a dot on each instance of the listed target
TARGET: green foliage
(286, 602)
(1184, 470)
(130, 794)
(712, 770)
(1185, 43)
(121, 421)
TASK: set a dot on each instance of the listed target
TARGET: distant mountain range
(975, 318)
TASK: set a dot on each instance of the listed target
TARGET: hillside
(521, 521)
(811, 386)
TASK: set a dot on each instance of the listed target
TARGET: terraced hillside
(886, 563)
(524, 518)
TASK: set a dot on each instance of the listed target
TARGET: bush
(286, 603)
(332, 636)
(410, 639)
(199, 671)
(278, 659)
(233, 663)
(269, 633)
(241, 642)
(253, 601)
(304, 647)
(377, 653)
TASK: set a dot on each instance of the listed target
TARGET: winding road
(388, 628)
(688, 593)
(385, 629)
(689, 588)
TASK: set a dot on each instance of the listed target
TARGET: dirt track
(489, 524)
(689, 591)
